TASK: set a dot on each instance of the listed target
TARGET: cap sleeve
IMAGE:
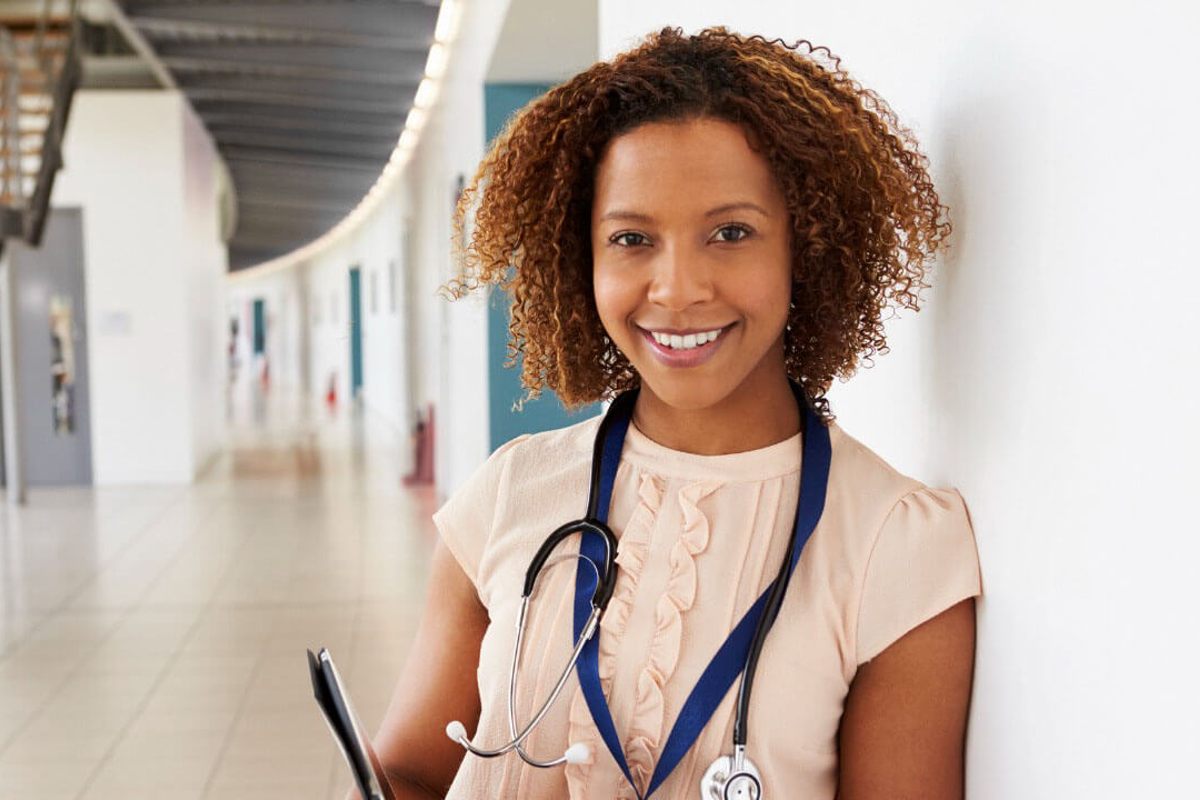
(464, 521)
(923, 562)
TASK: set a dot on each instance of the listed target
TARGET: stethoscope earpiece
(578, 753)
(456, 731)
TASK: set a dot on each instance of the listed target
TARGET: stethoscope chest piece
(724, 781)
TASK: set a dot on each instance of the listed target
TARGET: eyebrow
(721, 209)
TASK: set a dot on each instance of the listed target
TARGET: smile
(677, 342)
(684, 349)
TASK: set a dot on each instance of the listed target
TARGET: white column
(14, 464)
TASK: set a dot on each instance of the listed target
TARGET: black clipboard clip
(344, 725)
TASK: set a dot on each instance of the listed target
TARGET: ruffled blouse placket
(646, 728)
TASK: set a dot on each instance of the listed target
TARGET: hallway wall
(1050, 377)
(372, 249)
(143, 169)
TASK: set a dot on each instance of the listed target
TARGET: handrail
(10, 122)
(56, 78)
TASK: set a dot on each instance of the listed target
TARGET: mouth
(681, 349)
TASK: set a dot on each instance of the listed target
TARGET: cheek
(614, 301)
(770, 296)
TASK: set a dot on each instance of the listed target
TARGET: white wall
(142, 169)
(1052, 374)
(372, 249)
(204, 261)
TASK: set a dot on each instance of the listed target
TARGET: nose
(679, 278)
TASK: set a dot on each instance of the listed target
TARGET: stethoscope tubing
(519, 737)
(602, 594)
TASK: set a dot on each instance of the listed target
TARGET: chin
(690, 393)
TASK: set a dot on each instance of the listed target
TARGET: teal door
(356, 348)
(501, 101)
(260, 327)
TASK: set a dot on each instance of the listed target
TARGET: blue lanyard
(730, 658)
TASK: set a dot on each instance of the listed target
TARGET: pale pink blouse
(700, 538)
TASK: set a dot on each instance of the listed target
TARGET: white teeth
(692, 340)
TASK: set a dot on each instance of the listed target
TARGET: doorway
(55, 405)
(356, 343)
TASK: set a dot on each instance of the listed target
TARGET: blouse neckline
(772, 461)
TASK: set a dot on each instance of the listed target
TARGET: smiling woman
(707, 229)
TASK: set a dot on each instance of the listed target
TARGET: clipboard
(344, 725)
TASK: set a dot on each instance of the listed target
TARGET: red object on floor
(422, 473)
(331, 392)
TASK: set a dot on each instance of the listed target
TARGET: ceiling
(304, 98)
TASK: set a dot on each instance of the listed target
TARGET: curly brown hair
(866, 220)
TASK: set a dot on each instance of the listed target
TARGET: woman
(707, 219)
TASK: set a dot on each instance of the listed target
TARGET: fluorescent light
(426, 93)
(416, 120)
(435, 65)
(447, 21)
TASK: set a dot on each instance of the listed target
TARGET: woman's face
(691, 260)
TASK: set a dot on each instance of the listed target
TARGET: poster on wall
(62, 364)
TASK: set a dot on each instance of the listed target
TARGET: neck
(759, 413)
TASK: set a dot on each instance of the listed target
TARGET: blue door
(356, 350)
(260, 327)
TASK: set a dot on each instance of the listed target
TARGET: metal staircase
(40, 69)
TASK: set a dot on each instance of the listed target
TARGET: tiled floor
(152, 638)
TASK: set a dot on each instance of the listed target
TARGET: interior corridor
(152, 639)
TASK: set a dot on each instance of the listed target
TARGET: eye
(729, 234)
(627, 239)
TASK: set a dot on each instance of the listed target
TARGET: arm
(438, 685)
(904, 726)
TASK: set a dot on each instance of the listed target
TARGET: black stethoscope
(730, 776)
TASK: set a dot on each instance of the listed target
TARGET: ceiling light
(416, 119)
(447, 21)
(435, 65)
(426, 93)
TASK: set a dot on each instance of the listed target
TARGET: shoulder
(889, 497)
(858, 470)
(529, 467)
(861, 477)
(558, 446)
